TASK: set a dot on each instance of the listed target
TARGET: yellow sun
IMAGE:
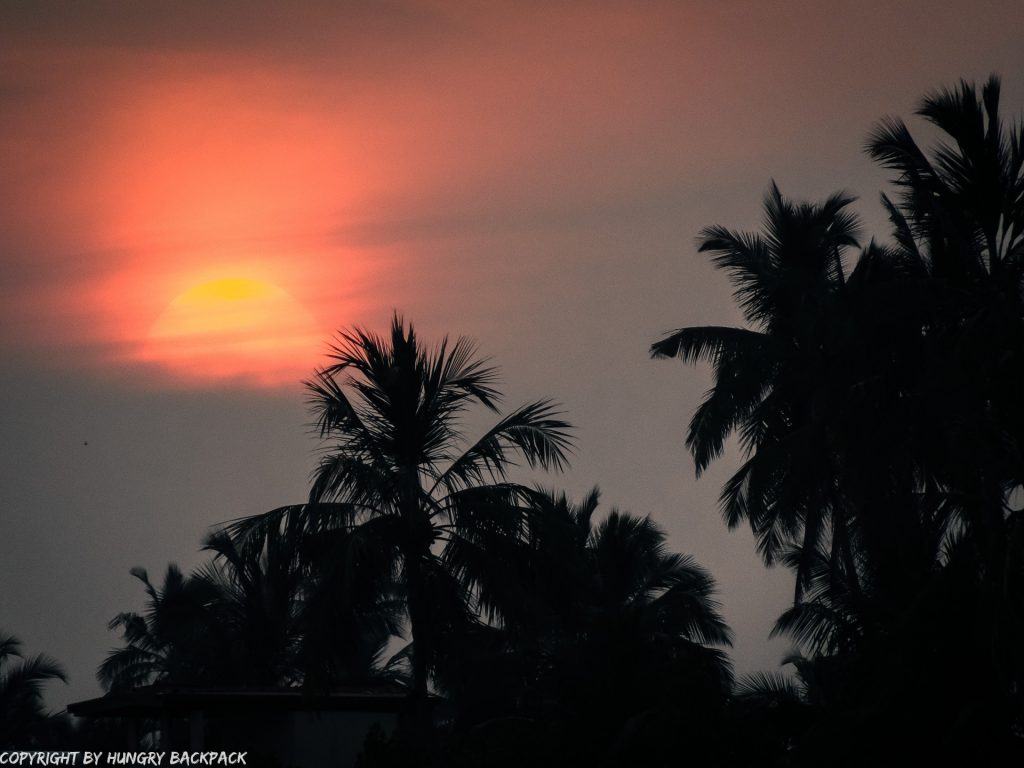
(234, 328)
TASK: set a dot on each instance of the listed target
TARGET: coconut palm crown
(22, 711)
(399, 484)
(771, 379)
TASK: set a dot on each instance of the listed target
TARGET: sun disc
(233, 328)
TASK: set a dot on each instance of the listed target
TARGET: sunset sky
(195, 195)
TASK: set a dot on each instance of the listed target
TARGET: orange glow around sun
(222, 221)
(214, 214)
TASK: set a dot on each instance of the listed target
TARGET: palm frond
(129, 667)
(710, 344)
(533, 431)
(768, 688)
(9, 646)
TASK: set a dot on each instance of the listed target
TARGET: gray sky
(532, 176)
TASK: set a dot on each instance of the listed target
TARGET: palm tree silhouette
(22, 712)
(399, 488)
(174, 641)
(775, 382)
(255, 615)
(886, 442)
(294, 615)
(883, 674)
(959, 223)
(594, 625)
(258, 587)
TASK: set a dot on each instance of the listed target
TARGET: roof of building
(157, 700)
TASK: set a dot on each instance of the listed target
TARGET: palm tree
(254, 615)
(961, 213)
(779, 382)
(959, 218)
(596, 627)
(21, 699)
(640, 626)
(883, 427)
(884, 675)
(398, 486)
(295, 616)
(176, 641)
(258, 587)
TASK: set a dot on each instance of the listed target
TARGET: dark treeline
(876, 393)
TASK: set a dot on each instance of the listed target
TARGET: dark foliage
(880, 411)
(24, 721)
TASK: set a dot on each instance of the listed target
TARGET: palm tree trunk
(417, 627)
(418, 605)
(419, 619)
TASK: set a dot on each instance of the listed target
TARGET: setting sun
(234, 328)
